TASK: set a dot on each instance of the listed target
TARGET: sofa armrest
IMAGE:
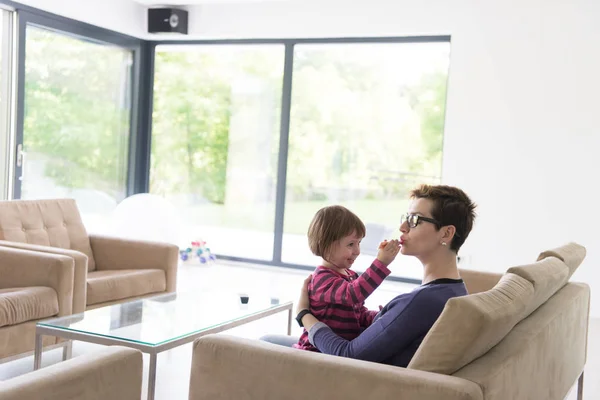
(113, 253)
(111, 373)
(227, 367)
(79, 275)
(479, 281)
(25, 268)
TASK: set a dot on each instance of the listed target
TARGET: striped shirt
(338, 300)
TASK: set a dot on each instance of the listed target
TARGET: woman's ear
(449, 232)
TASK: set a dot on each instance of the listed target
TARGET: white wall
(124, 16)
(523, 114)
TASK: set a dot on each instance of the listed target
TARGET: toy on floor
(198, 249)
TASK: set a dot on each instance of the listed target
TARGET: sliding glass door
(366, 127)
(215, 142)
(6, 98)
(76, 129)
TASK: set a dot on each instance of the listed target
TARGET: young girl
(337, 294)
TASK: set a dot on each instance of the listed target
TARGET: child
(337, 294)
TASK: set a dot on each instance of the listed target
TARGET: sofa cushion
(103, 286)
(25, 304)
(572, 254)
(471, 325)
(547, 277)
(54, 222)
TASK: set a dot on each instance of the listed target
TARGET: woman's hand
(303, 300)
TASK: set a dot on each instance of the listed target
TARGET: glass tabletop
(157, 320)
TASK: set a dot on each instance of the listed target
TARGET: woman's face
(424, 238)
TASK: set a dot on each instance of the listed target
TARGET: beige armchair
(111, 373)
(107, 270)
(33, 286)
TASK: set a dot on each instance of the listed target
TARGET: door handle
(21, 160)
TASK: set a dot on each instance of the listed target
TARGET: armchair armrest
(79, 275)
(479, 281)
(234, 368)
(111, 373)
(25, 268)
(113, 253)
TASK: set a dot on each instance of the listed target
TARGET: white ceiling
(194, 2)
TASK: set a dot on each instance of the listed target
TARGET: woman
(437, 224)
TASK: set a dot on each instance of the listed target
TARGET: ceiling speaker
(167, 20)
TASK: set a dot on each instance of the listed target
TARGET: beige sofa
(105, 270)
(521, 335)
(33, 286)
(113, 373)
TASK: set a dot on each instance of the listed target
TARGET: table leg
(152, 377)
(289, 331)
(37, 356)
(67, 350)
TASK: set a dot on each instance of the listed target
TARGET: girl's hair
(329, 225)
(451, 206)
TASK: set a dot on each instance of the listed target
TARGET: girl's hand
(388, 253)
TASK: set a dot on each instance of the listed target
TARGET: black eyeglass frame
(408, 216)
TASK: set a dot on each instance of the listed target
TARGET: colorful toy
(199, 250)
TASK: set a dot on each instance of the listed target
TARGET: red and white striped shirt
(338, 300)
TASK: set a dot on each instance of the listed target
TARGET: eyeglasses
(415, 219)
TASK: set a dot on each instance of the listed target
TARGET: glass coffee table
(160, 323)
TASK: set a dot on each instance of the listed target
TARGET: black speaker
(167, 20)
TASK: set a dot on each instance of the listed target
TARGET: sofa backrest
(572, 254)
(547, 277)
(54, 222)
(542, 356)
(471, 325)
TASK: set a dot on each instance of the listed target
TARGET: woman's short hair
(451, 206)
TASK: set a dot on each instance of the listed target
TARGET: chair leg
(580, 387)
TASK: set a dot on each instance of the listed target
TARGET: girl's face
(344, 251)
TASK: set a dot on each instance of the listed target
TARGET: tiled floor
(174, 366)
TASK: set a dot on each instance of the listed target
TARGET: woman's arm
(411, 316)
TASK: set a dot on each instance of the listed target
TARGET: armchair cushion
(25, 304)
(54, 222)
(104, 286)
(113, 253)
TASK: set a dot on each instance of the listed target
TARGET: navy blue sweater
(398, 329)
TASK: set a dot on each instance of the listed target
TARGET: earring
(443, 243)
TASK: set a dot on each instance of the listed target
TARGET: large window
(215, 142)
(77, 122)
(366, 127)
(6, 84)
